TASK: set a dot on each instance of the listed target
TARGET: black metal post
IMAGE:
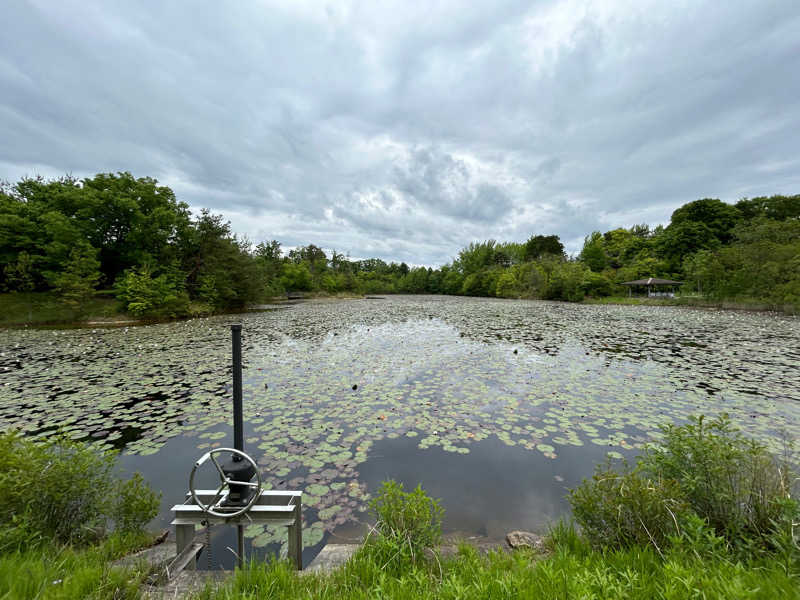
(238, 419)
(238, 425)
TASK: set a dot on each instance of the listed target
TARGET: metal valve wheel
(213, 507)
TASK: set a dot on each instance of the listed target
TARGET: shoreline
(696, 302)
(108, 317)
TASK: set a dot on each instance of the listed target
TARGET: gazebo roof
(653, 281)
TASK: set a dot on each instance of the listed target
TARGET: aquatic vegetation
(325, 381)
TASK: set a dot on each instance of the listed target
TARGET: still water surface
(494, 406)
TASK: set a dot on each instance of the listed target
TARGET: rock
(162, 537)
(525, 539)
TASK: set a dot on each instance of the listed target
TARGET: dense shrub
(623, 508)
(730, 481)
(134, 504)
(66, 492)
(507, 286)
(143, 295)
(406, 524)
(702, 474)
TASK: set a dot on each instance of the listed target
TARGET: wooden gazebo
(656, 288)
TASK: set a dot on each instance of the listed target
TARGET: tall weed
(407, 523)
(729, 480)
(705, 486)
(65, 492)
(621, 508)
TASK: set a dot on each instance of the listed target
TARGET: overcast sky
(406, 131)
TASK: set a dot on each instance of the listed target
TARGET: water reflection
(492, 490)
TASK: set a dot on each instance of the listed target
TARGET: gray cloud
(407, 131)
(446, 185)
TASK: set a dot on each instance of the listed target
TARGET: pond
(494, 406)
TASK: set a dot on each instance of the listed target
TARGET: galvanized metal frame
(276, 507)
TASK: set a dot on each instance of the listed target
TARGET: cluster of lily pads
(323, 381)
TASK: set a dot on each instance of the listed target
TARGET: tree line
(133, 237)
(748, 251)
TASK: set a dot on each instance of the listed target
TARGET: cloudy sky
(405, 131)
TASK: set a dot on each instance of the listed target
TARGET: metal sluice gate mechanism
(236, 493)
(237, 500)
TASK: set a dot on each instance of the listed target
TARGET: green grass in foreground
(567, 573)
(63, 572)
(39, 308)
(571, 571)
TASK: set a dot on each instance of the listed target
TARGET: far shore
(753, 305)
(43, 309)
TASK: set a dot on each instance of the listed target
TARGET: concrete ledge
(331, 557)
(154, 556)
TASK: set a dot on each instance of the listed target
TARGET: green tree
(621, 246)
(780, 208)
(566, 281)
(476, 256)
(415, 281)
(132, 221)
(718, 217)
(687, 237)
(269, 251)
(532, 278)
(144, 295)
(507, 285)
(213, 257)
(596, 285)
(19, 232)
(641, 267)
(452, 280)
(76, 283)
(539, 245)
(704, 271)
(593, 255)
(19, 275)
(296, 277)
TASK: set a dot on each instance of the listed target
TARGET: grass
(571, 570)
(64, 572)
(568, 572)
(58, 502)
(46, 308)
